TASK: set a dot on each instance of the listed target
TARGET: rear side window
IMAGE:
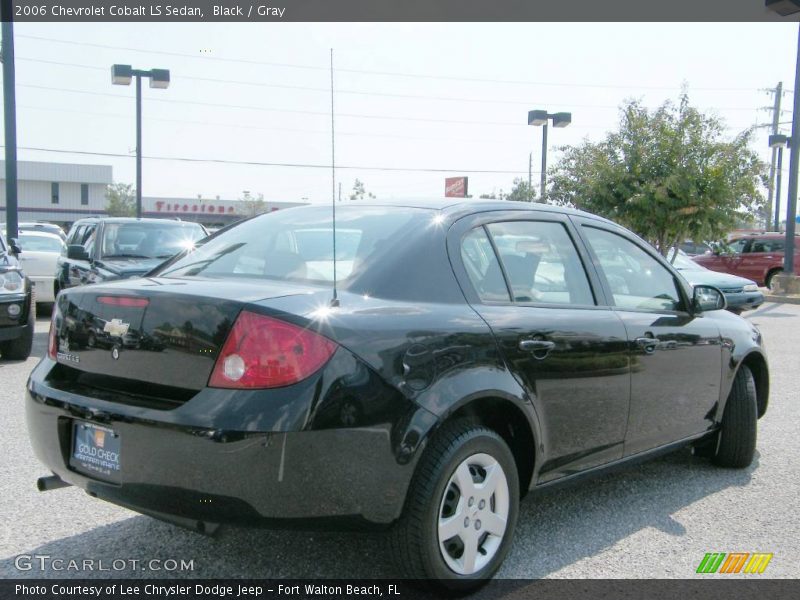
(767, 246)
(539, 264)
(637, 280)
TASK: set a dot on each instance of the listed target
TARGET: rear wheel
(736, 442)
(769, 282)
(461, 511)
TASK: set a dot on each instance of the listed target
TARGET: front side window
(637, 280)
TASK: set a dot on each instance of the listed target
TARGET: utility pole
(776, 114)
(10, 120)
(340, 191)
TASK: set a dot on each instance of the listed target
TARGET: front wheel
(461, 511)
(736, 442)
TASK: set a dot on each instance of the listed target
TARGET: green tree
(667, 174)
(252, 205)
(120, 200)
(521, 191)
(359, 192)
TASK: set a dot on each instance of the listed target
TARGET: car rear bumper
(745, 300)
(328, 478)
(43, 287)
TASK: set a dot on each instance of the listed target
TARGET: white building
(57, 192)
(63, 193)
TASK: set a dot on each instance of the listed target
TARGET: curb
(782, 299)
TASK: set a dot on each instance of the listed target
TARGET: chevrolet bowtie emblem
(116, 327)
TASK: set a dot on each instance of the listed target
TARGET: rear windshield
(297, 244)
(138, 239)
(37, 243)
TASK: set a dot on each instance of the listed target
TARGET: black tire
(736, 443)
(771, 277)
(414, 538)
(20, 348)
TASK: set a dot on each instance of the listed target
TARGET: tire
(736, 442)
(771, 277)
(459, 449)
(20, 348)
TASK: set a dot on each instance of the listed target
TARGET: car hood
(721, 280)
(126, 267)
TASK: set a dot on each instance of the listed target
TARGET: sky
(414, 103)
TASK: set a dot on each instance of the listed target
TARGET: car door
(79, 272)
(527, 280)
(676, 358)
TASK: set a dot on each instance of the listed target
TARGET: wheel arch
(511, 423)
(757, 364)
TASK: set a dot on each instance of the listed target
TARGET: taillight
(52, 343)
(262, 352)
(126, 301)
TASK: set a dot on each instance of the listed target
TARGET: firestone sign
(163, 206)
(455, 187)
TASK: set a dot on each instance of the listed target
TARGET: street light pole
(794, 162)
(138, 147)
(159, 78)
(544, 163)
(10, 122)
(542, 117)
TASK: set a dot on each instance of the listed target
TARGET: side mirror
(716, 251)
(13, 245)
(77, 252)
(707, 297)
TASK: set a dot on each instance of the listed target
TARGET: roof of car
(44, 234)
(467, 205)
(133, 220)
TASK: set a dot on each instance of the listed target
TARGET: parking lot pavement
(654, 520)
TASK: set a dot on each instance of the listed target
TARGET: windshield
(40, 243)
(139, 239)
(683, 262)
(297, 244)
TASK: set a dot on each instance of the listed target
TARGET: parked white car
(39, 258)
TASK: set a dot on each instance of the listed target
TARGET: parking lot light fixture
(784, 8)
(159, 78)
(541, 118)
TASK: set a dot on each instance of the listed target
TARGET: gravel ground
(656, 520)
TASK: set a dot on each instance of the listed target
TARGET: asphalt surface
(656, 520)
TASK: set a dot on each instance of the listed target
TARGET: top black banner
(400, 10)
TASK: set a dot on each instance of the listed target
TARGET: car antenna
(335, 299)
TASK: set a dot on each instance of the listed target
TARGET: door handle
(648, 344)
(539, 348)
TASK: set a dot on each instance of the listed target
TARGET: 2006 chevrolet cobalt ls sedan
(474, 351)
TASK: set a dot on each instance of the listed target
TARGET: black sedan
(109, 248)
(451, 358)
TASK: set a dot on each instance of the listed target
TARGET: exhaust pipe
(52, 482)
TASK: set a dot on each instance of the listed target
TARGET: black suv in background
(104, 249)
(17, 314)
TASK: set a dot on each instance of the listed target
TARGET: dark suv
(104, 249)
(758, 257)
(17, 314)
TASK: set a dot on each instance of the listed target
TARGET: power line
(460, 99)
(374, 72)
(272, 164)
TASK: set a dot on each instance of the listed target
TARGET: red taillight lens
(52, 343)
(262, 352)
(127, 301)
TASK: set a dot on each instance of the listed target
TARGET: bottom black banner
(245, 589)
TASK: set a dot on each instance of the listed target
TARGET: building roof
(28, 170)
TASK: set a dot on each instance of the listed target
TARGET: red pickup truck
(758, 257)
